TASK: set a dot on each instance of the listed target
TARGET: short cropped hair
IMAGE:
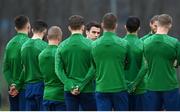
(20, 21)
(109, 21)
(39, 26)
(92, 24)
(54, 32)
(76, 22)
(132, 24)
(164, 20)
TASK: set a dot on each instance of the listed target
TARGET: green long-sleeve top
(29, 54)
(136, 57)
(12, 66)
(54, 89)
(72, 62)
(160, 51)
(110, 54)
(146, 36)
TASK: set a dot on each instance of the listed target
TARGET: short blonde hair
(165, 20)
(54, 32)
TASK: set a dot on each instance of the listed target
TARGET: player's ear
(125, 27)
(116, 26)
(82, 27)
(102, 25)
(15, 28)
(32, 30)
(69, 28)
(87, 32)
(139, 28)
(150, 24)
(170, 26)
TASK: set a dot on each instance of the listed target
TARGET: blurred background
(57, 12)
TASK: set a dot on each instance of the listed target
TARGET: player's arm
(59, 69)
(127, 61)
(6, 69)
(89, 76)
(140, 76)
(178, 54)
(128, 58)
(19, 83)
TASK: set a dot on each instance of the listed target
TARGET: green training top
(109, 54)
(54, 89)
(72, 62)
(136, 57)
(141, 79)
(29, 53)
(146, 36)
(160, 51)
(12, 66)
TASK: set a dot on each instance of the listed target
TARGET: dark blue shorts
(34, 96)
(107, 101)
(138, 102)
(164, 100)
(83, 101)
(50, 105)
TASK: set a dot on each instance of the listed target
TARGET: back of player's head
(109, 21)
(21, 21)
(92, 24)
(54, 32)
(164, 20)
(154, 18)
(132, 24)
(39, 26)
(76, 22)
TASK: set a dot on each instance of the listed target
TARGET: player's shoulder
(173, 39)
(146, 36)
(27, 42)
(121, 41)
(149, 38)
(40, 42)
(64, 43)
(14, 40)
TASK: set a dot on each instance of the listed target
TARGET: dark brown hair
(21, 21)
(76, 22)
(109, 21)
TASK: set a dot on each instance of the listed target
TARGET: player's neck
(22, 31)
(76, 31)
(38, 36)
(133, 33)
(162, 30)
(113, 30)
(53, 42)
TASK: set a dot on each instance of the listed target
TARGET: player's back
(109, 54)
(136, 52)
(29, 53)
(12, 60)
(75, 52)
(160, 51)
(53, 86)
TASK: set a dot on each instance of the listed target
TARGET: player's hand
(13, 91)
(75, 91)
(131, 87)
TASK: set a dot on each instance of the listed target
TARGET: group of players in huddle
(98, 72)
